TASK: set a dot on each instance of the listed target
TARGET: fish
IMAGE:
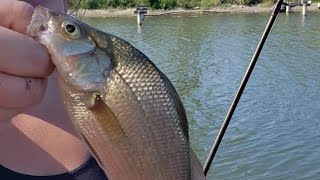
(123, 107)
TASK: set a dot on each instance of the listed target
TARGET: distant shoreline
(232, 9)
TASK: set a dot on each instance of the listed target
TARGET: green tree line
(158, 4)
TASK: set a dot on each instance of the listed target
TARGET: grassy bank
(233, 9)
(161, 4)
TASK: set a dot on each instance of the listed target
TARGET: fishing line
(243, 84)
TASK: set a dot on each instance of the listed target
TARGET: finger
(15, 15)
(23, 56)
(19, 92)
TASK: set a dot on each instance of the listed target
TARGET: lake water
(275, 131)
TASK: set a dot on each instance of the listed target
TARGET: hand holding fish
(24, 62)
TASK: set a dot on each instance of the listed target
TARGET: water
(274, 133)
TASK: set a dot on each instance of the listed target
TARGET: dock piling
(287, 9)
(304, 7)
(140, 11)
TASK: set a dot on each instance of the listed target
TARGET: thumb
(15, 15)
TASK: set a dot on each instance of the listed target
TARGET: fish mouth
(39, 21)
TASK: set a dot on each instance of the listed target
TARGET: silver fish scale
(155, 94)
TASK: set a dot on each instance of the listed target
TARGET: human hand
(24, 62)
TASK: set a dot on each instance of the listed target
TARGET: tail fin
(196, 167)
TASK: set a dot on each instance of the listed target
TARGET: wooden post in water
(285, 6)
(140, 11)
(287, 9)
(139, 19)
(304, 7)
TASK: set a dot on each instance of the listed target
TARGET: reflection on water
(274, 133)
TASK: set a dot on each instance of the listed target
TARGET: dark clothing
(90, 170)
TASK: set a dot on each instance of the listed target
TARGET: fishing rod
(243, 84)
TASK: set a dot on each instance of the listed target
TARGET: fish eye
(70, 29)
